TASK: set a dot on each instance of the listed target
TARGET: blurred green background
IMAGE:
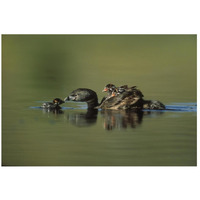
(162, 66)
(37, 68)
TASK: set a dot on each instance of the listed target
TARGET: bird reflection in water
(54, 111)
(82, 119)
(112, 119)
(121, 119)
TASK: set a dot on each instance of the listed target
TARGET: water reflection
(55, 111)
(112, 119)
(82, 119)
(121, 119)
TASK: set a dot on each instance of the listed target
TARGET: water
(41, 68)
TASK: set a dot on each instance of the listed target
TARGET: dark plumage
(84, 95)
(53, 105)
(122, 89)
(124, 98)
(131, 98)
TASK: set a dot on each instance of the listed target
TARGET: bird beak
(105, 89)
(113, 94)
(66, 99)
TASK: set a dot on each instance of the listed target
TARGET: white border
(100, 17)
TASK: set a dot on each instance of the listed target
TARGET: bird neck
(92, 103)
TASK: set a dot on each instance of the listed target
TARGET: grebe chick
(53, 105)
(109, 88)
